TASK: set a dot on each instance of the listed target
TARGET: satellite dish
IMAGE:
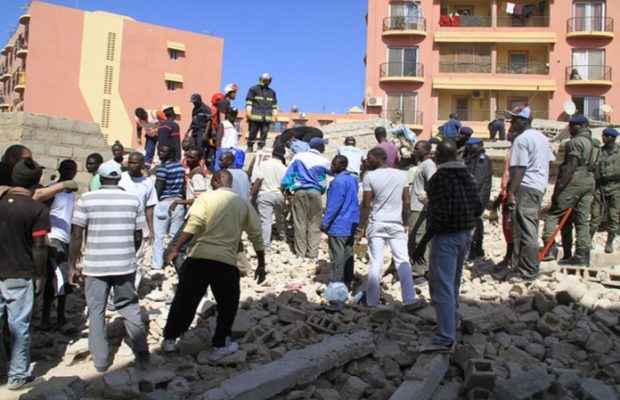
(607, 109)
(569, 107)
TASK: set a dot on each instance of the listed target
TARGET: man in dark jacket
(453, 208)
(480, 166)
(201, 121)
(261, 108)
(169, 134)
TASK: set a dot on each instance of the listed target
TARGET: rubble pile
(556, 338)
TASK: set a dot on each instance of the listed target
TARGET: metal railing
(590, 24)
(519, 21)
(465, 115)
(517, 68)
(588, 72)
(401, 69)
(400, 116)
(403, 23)
(465, 67)
(466, 21)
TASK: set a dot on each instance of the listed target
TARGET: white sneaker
(221, 352)
(169, 345)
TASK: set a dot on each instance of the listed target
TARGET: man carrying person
(169, 184)
(113, 222)
(573, 189)
(453, 208)
(306, 180)
(147, 122)
(354, 156)
(480, 166)
(270, 199)
(169, 134)
(607, 191)
(216, 222)
(24, 223)
(391, 151)
(384, 216)
(419, 202)
(340, 222)
(261, 108)
(530, 159)
(57, 284)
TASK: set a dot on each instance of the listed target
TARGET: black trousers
(196, 276)
(255, 128)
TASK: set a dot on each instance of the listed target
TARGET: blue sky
(313, 48)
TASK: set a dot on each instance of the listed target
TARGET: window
(175, 54)
(172, 86)
(402, 61)
(406, 16)
(402, 108)
(588, 64)
(278, 126)
(297, 124)
(518, 61)
(516, 102)
(464, 58)
(590, 107)
(589, 16)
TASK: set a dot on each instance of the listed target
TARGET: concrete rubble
(555, 338)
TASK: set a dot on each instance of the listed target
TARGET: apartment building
(427, 59)
(98, 66)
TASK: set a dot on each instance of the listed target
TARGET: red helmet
(216, 98)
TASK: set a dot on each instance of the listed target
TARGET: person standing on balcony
(574, 189)
(261, 108)
(452, 127)
(147, 122)
(391, 151)
(607, 191)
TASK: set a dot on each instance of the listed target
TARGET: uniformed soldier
(201, 121)
(461, 141)
(261, 108)
(607, 191)
(574, 188)
(480, 166)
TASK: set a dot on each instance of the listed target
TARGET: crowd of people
(199, 196)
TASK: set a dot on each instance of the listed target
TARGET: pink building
(99, 67)
(428, 58)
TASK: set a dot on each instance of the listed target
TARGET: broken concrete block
(479, 373)
(605, 317)
(522, 387)
(243, 323)
(599, 343)
(486, 321)
(551, 323)
(154, 380)
(423, 378)
(381, 314)
(297, 367)
(542, 303)
(597, 390)
(570, 293)
(464, 353)
(238, 357)
(123, 382)
(78, 350)
(354, 387)
(290, 314)
(206, 308)
(512, 353)
(178, 386)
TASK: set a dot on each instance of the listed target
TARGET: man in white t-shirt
(530, 159)
(270, 199)
(354, 155)
(133, 181)
(385, 208)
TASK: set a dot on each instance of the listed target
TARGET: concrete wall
(52, 140)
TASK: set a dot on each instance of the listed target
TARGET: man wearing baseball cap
(607, 190)
(306, 180)
(574, 188)
(113, 221)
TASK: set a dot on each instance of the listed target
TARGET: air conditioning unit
(477, 94)
(375, 101)
(302, 115)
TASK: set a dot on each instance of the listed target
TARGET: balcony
(404, 26)
(6, 50)
(588, 75)
(465, 115)
(413, 119)
(24, 19)
(4, 74)
(522, 69)
(466, 21)
(401, 72)
(21, 49)
(523, 22)
(464, 67)
(21, 82)
(594, 27)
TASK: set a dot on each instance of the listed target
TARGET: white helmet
(231, 87)
(265, 77)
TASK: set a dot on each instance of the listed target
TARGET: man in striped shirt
(113, 221)
(170, 184)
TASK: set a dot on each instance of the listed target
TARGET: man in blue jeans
(24, 223)
(453, 208)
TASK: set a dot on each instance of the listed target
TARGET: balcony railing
(588, 73)
(465, 115)
(517, 21)
(512, 68)
(403, 23)
(590, 24)
(465, 67)
(401, 70)
(400, 116)
(466, 21)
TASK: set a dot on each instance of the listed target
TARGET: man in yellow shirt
(215, 224)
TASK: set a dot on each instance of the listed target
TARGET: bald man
(453, 208)
(215, 224)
